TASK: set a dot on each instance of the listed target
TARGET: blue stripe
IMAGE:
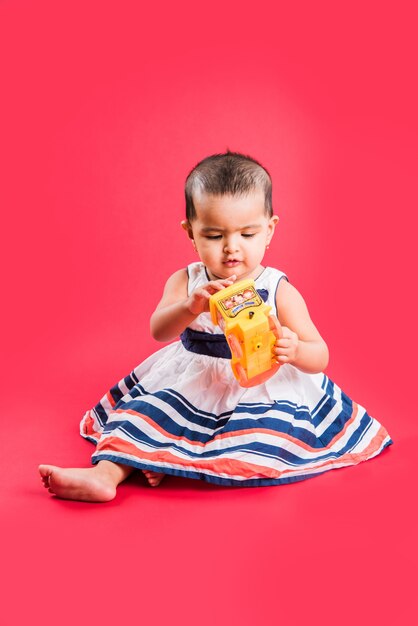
(167, 423)
(328, 405)
(277, 425)
(299, 412)
(89, 438)
(177, 401)
(359, 434)
(339, 421)
(196, 410)
(329, 387)
(100, 414)
(145, 407)
(319, 404)
(116, 393)
(216, 480)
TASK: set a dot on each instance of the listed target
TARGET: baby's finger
(282, 359)
(217, 285)
(204, 293)
(225, 282)
(277, 349)
(284, 342)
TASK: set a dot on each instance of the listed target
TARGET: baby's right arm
(177, 309)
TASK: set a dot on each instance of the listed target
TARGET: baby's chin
(224, 276)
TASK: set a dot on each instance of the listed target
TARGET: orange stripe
(88, 428)
(239, 433)
(224, 466)
(233, 467)
(110, 399)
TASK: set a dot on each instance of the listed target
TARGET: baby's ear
(187, 227)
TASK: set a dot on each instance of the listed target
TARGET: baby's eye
(248, 234)
(213, 236)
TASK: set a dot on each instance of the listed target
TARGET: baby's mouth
(231, 262)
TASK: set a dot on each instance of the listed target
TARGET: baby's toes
(153, 478)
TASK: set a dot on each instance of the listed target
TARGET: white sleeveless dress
(182, 412)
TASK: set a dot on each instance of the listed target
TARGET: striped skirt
(184, 414)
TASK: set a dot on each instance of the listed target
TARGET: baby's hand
(198, 301)
(286, 347)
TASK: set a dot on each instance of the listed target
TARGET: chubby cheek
(209, 248)
(252, 251)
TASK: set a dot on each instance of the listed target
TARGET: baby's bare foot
(90, 484)
(154, 478)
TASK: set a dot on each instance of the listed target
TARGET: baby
(181, 411)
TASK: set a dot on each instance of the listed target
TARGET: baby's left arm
(301, 344)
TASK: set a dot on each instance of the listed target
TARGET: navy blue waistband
(205, 343)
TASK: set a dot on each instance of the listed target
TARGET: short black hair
(229, 173)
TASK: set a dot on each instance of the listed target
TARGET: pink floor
(342, 544)
(105, 107)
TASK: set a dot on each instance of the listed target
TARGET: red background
(105, 108)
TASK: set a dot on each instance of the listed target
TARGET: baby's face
(231, 233)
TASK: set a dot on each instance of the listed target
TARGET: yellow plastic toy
(250, 329)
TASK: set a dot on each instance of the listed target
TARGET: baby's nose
(230, 246)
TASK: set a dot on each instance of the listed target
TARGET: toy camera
(249, 328)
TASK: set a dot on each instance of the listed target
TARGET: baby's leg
(92, 484)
